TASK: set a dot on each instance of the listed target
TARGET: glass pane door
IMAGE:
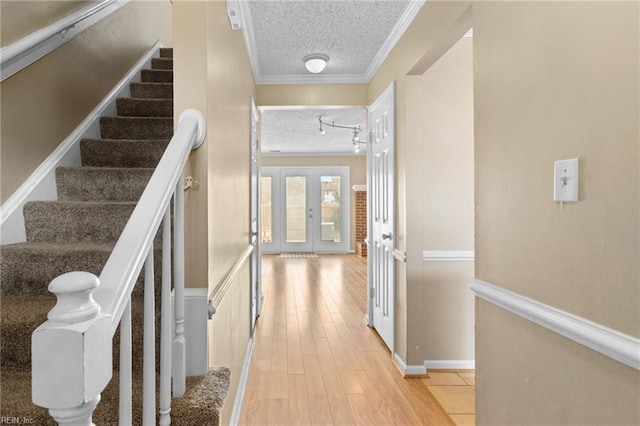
(330, 209)
(298, 211)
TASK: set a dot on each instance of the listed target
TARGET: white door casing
(381, 182)
(256, 288)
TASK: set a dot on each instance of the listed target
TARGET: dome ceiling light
(315, 63)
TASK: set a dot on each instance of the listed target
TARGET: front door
(297, 218)
(381, 169)
(305, 209)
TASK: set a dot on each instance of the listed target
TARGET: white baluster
(149, 355)
(71, 352)
(179, 346)
(165, 324)
(125, 416)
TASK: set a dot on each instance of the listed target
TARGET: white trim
(400, 255)
(29, 49)
(362, 153)
(409, 370)
(242, 385)
(398, 30)
(401, 26)
(609, 342)
(246, 25)
(448, 256)
(41, 184)
(359, 188)
(450, 364)
(195, 327)
(307, 107)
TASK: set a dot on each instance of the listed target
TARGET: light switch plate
(565, 180)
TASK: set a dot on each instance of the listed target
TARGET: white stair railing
(72, 350)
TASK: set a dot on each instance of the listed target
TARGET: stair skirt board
(41, 185)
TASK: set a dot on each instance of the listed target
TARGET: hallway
(314, 359)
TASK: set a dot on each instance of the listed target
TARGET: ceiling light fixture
(315, 63)
(355, 139)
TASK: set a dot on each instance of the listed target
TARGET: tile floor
(455, 391)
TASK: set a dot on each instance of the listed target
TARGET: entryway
(305, 209)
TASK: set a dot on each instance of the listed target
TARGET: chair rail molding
(218, 294)
(448, 256)
(619, 346)
(27, 50)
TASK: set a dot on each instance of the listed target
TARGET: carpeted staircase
(77, 232)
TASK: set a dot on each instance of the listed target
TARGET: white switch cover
(565, 180)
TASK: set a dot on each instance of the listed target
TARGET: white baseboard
(619, 346)
(41, 185)
(450, 364)
(409, 370)
(242, 385)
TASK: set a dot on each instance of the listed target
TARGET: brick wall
(361, 222)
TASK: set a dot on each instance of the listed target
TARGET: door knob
(388, 236)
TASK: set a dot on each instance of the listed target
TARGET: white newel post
(71, 352)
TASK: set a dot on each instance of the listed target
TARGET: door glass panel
(266, 217)
(330, 209)
(296, 205)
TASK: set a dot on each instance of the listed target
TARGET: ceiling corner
(401, 26)
(249, 40)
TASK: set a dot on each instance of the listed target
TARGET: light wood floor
(314, 359)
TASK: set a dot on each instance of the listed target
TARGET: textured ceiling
(357, 35)
(297, 131)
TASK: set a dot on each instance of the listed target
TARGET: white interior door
(256, 290)
(297, 208)
(381, 172)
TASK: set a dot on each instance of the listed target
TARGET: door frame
(257, 296)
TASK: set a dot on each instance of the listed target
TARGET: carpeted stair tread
(132, 107)
(73, 221)
(157, 76)
(21, 315)
(200, 406)
(28, 268)
(166, 52)
(122, 152)
(101, 183)
(151, 90)
(162, 63)
(136, 127)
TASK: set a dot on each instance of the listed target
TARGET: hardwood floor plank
(316, 362)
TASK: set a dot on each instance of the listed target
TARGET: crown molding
(246, 24)
(315, 154)
(401, 26)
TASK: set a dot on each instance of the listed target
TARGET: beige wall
(357, 174)
(554, 81)
(439, 170)
(43, 103)
(311, 94)
(424, 34)
(21, 18)
(213, 74)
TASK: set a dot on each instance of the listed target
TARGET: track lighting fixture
(355, 139)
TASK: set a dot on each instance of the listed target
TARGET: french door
(305, 209)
